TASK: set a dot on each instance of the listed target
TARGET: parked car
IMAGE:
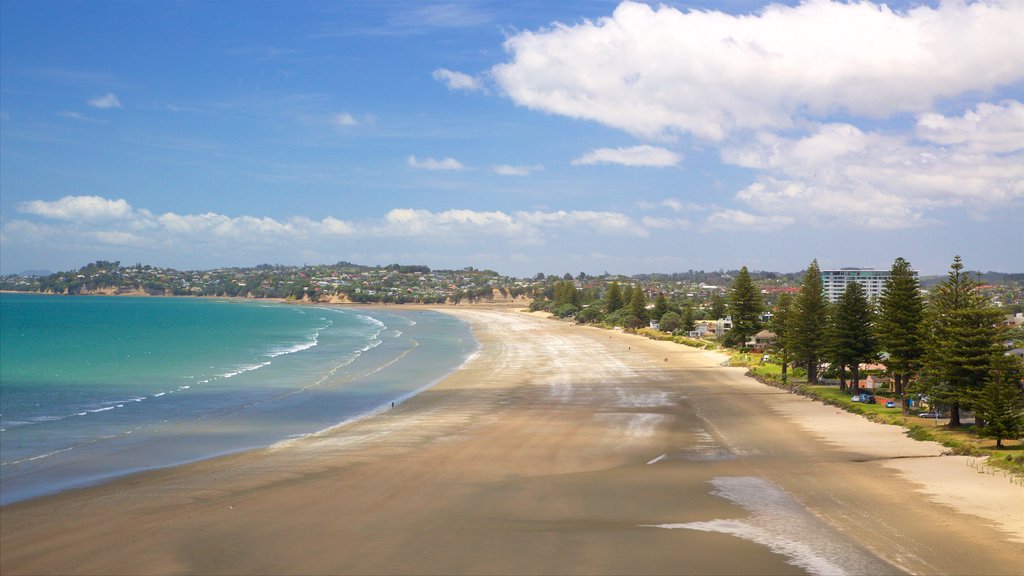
(867, 398)
(890, 404)
(855, 398)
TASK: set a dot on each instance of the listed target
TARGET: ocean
(92, 388)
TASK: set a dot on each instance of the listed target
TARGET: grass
(962, 440)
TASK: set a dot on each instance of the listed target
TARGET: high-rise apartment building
(834, 281)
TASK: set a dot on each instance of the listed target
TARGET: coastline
(268, 399)
(546, 452)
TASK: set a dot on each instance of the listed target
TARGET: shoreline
(612, 431)
(163, 446)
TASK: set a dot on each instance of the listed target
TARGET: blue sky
(523, 137)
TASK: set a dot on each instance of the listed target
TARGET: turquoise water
(96, 387)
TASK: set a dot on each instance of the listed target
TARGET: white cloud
(108, 100)
(737, 219)
(633, 156)
(97, 221)
(78, 208)
(659, 72)
(344, 119)
(613, 222)
(508, 170)
(457, 80)
(672, 204)
(987, 128)
(840, 173)
(433, 164)
(665, 223)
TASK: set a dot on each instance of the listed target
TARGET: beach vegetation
(780, 325)
(638, 305)
(899, 326)
(1000, 403)
(716, 307)
(809, 321)
(670, 322)
(962, 336)
(745, 306)
(661, 306)
(851, 337)
(613, 298)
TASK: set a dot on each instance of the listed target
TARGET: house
(720, 326)
(700, 331)
(874, 382)
(762, 340)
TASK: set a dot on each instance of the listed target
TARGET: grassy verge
(963, 440)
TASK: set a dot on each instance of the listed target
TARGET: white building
(834, 281)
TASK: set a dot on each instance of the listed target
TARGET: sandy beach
(556, 449)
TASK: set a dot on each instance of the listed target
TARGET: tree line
(948, 347)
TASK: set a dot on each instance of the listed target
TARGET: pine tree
(899, 326)
(1001, 403)
(744, 304)
(689, 324)
(627, 295)
(717, 306)
(809, 322)
(851, 339)
(660, 306)
(613, 298)
(962, 338)
(638, 304)
(779, 324)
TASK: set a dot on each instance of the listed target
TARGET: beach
(555, 449)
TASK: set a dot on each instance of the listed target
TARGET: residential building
(834, 281)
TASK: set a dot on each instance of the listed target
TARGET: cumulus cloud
(108, 100)
(633, 156)
(508, 170)
(434, 164)
(657, 72)
(840, 173)
(78, 208)
(458, 80)
(988, 128)
(99, 221)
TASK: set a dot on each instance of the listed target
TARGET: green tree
(962, 337)
(613, 298)
(689, 324)
(1001, 404)
(899, 326)
(670, 322)
(809, 319)
(589, 315)
(566, 294)
(779, 325)
(638, 304)
(660, 306)
(627, 295)
(851, 338)
(717, 307)
(744, 305)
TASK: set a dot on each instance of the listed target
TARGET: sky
(523, 137)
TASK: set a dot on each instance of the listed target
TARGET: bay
(97, 387)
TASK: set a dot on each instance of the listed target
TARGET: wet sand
(555, 450)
